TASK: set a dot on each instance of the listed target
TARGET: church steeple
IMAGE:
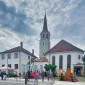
(45, 24)
(44, 39)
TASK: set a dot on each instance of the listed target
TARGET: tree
(52, 67)
(83, 59)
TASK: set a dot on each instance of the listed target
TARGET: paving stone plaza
(12, 81)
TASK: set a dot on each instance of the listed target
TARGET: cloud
(10, 39)
(22, 20)
(14, 20)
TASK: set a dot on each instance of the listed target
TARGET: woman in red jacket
(31, 75)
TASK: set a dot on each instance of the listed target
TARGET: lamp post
(7, 65)
(30, 61)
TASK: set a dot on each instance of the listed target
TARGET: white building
(16, 58)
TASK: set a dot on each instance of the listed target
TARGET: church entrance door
(77, 70)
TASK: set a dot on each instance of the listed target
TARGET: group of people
(32, 75)
(3, 75)
(36, 75)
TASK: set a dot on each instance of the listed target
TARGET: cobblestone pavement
(68, 83)
(12, 81)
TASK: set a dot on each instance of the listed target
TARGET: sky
(22, 20)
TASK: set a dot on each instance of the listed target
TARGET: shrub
(11, 75)
(61, 78)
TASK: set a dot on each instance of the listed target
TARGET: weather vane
(45, 10)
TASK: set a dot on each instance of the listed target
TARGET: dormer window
(37, 58)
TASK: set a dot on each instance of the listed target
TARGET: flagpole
(7, 65)
(30, 61)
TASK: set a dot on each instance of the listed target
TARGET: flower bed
(70, 79)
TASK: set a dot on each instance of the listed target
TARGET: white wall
(22, 59)
(74, 58)
(40, 63)
(11, 61)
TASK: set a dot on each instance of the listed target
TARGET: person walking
(20, 76)
(48, 75)
(51, 75)
(31, 75)
(4, 75)
(36, 76)
(1, 75)
(42, 75)
(26, 77)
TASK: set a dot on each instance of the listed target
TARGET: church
(64, 55)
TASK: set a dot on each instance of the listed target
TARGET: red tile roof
(40, 60)
(64, 46)
(37, 60)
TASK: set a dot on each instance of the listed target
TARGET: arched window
(79, 57)
(68, 61)
(46, 36)
(53, 60)
(60, 62)
(43, 35)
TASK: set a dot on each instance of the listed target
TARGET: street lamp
(30, 61)
(7, 65)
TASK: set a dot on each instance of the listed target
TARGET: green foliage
(52, 67)
(11, 75)
(49, 66)
(83, 59)
(61, 78)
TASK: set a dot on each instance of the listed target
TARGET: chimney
(33, 51)
(21, 44)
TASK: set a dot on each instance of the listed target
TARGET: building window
(3, 65)
(16, 66)
(9, 65)
(2, 56)
(43, 43)
(79, 57)
(46, 36)
(16, 55)
(68, 61)
(53, 60)
(43, 35)
(60, 62)
(29, 57)
(9, 56)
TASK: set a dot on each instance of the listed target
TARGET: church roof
(64, 46)
(45, 24)
(17, 49)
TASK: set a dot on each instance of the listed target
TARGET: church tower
(44, 39)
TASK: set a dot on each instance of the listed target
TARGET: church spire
(45, 23)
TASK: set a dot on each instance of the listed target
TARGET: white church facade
(66, 56)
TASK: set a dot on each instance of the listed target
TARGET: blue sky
(22, 20)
